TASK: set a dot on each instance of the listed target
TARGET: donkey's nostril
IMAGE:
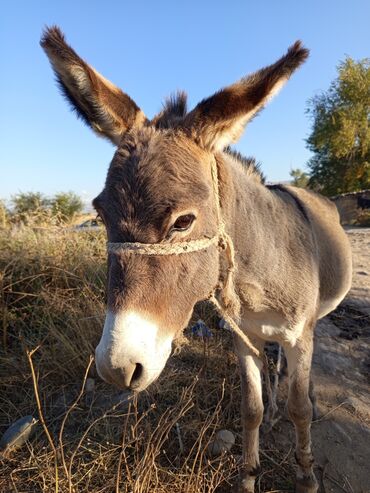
(137, 373)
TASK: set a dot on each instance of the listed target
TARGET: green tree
(299, 178)
(29, 202)
(340, 138)
(66, 205)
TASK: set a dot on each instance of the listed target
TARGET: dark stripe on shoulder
(300, 205)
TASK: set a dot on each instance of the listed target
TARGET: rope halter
(230, 308)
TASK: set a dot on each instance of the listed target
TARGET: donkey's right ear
(102, 105)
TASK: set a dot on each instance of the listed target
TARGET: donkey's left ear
(102, 105)
(220, 120)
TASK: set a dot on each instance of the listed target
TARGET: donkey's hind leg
(299, 359)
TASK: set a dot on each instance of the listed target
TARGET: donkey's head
(158, 190)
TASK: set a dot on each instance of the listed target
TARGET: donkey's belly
(272, 326)
(328, 306)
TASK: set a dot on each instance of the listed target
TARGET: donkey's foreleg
(252, 413)
(299, 359)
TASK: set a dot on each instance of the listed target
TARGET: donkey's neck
(250, 209)
(263, 227)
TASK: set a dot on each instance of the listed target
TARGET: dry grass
(52, 307)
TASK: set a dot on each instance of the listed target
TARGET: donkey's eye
(183, 223)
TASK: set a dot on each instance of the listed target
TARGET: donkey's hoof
(246, 484)
(244, 489)
(307, 484)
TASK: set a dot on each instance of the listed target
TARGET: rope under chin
(230, 307)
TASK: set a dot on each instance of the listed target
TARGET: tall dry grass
(52, 309)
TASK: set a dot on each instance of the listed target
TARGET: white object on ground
(17, 433)
(222, 443)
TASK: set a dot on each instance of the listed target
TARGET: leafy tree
(300, 178)
(29, 202)
(340, 138)
(66, 205)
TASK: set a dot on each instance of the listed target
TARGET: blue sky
(150, 49)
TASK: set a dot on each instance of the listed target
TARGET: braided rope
(164, 248)
(231, 309)
(234, 326)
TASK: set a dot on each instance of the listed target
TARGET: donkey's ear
(220, 120)
(102, 105)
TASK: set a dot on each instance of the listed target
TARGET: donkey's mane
(174, 111)
(176, 104)
(249, 164)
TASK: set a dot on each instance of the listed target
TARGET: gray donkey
(292, 258)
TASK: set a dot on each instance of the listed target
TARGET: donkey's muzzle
(131, 353)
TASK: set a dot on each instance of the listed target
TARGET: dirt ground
(341, 373)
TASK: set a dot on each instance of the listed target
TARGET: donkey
(293, 259)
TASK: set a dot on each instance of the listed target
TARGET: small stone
(17, 434)
(222, 443)
(90, 385)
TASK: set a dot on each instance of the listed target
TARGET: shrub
(66, 205)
